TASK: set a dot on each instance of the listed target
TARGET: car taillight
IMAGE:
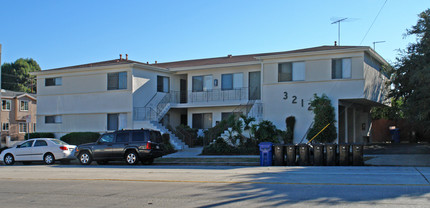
(148, 145)
(64, 148)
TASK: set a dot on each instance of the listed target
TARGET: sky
(65, 33)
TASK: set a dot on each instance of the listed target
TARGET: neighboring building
(122, 93)
(18, 115)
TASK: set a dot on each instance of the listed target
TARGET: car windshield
(56, 141)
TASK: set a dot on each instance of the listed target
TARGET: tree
(16, 76)
(410, 76)
(324, 114)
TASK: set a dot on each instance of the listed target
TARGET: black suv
(129, 145)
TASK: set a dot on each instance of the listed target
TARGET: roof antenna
(338, 28)
(377, 42)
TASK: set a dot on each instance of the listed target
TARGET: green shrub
(266, 132)
(168, 147)
(324, 115)
(77, 138)
(39, 135)
(219, 147)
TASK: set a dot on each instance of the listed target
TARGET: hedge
(39, 135)
(77, 138)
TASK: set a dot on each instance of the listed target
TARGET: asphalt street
(202, 186)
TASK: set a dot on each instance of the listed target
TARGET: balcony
(209, 96)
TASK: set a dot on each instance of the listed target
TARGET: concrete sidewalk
(190, 157)
(411, 160)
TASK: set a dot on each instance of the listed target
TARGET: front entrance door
(254, 85)
(183, 91)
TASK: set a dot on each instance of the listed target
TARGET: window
(5, 105)
(202, 83)
(53, 119)
(23, 106)
(156, 136)
(292, 71)
(40, 143)
(34, 127)
(341, 69)
(163, 84)
(226, 115)
(112, 121)
(117, 81)
(122, 137)
(5, 127)
(26, 144)
(107, 138)
(202, 120)
(22, 127)
(231, 81)
(140, 136)
(53, 81)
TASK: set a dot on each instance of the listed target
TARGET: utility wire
(373, 22)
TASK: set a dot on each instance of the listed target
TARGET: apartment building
(18, 115)
(122, 93)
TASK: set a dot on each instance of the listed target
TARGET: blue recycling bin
(395, 135)
(266, 153)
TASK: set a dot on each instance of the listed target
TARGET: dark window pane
(336, 69)
(50, 82)
(49, 119)
(122, 137)
(197, 83)
(40, 143)
(285, 72)
(198, 121)
(112, 120)
(138, 136)
(113, 81)
(227, 82)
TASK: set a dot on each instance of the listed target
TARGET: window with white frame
(5, 105)
(163, 84)
(22, 127)
(23, 105)
(202, 83)
(231, 81)
(291, 71)
(341, 68)
(5, 127)
(53, 119)
(57, 81)
(117, 81)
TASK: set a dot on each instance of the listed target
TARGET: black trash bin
(343, 154)
(331, 153)
(357, 155)
(279, 155)
(291, 154)
(318, 154)
(303, 154)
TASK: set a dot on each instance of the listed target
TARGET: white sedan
(38, 149)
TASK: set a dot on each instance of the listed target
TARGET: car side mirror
(18, 146)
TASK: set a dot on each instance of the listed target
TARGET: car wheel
(9, 159)
(148, 161)
(27, 163)
(102, 162)
(131, 158)
(85, 158)
(49, 159)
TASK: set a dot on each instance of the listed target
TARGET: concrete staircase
(174, 140)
